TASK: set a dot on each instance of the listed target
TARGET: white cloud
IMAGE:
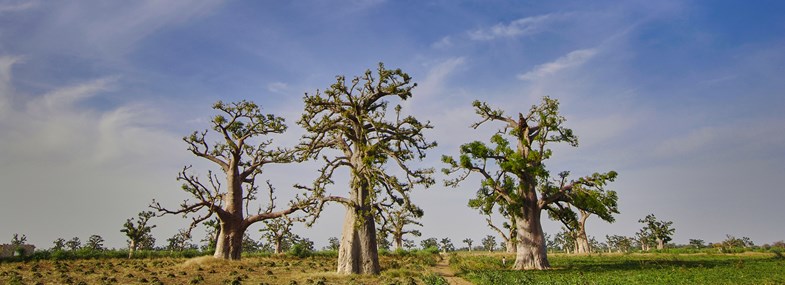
(433, 84)
(277, 87)
(572, 59)
(6, 63)
(443, 43)
(524, 26)
(15, 6)
(111, 29)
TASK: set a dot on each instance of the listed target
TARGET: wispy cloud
(6, 63)
(572, 59)
(15, 6)
(444, 42)
(277, 87)
(520, 27)
(113, 28)
(433, 83)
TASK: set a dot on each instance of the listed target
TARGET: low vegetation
(318, 268)
(649, 268)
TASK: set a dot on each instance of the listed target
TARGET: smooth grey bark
(357, 253)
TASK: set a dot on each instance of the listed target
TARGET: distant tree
(148, 243)
(241, 160)
(513, 167)
(747, 242)
(489, 243)
(447, 245)
(619, 243)
(278, 232)
(73, 244)
(588, 201)
(395, 218)
(468, 242)
(59, 244)
(333, 243)
(213, 229)
(734, 242)
(565, 240)
(429, 242)
(179, 241)
(138, 232)
(95, 242)
(408, 244)
(303, 247)
(18, 240)
(382, 240)
(350, 122)
(508, 231)
(645, 239)
(660, 230)
(697, 243)
(249, 244)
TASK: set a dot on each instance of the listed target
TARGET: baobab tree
(348, 126)
(587, 201)
(658, 229)
(137, 233)
(468, 242)
(277, 232)
(513, 170)
(489, 243)
(394, 220)
(241, 150)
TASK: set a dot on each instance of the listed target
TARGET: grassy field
(411, 268)
(397, 269)
(746, 268)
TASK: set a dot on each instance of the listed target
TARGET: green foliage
(351, 117)
(18, 240)
(633, 269)
(303, 248)
(433, 279)
(489, 243)
(139, 232)
(658, 229)
(430, 243)
(95, 243)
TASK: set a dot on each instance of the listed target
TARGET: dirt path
(443, 269)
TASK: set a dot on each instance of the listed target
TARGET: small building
(9, 250)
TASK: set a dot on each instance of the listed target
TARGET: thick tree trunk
(582, 245)
(278, 243)
(581, 239)
(660, 244)
(398, 242)
(230, 241)
(131, 249)
(532, 252)
(358, 253)
(512, 246)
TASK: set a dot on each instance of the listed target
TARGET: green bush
(300, 250)
(433, 279)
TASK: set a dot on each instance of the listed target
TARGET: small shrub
(433, 279)
(301, 251)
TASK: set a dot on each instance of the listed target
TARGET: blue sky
(683, 98)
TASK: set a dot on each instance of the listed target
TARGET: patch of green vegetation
(748, 268)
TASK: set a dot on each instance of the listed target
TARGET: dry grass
(207, 270)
